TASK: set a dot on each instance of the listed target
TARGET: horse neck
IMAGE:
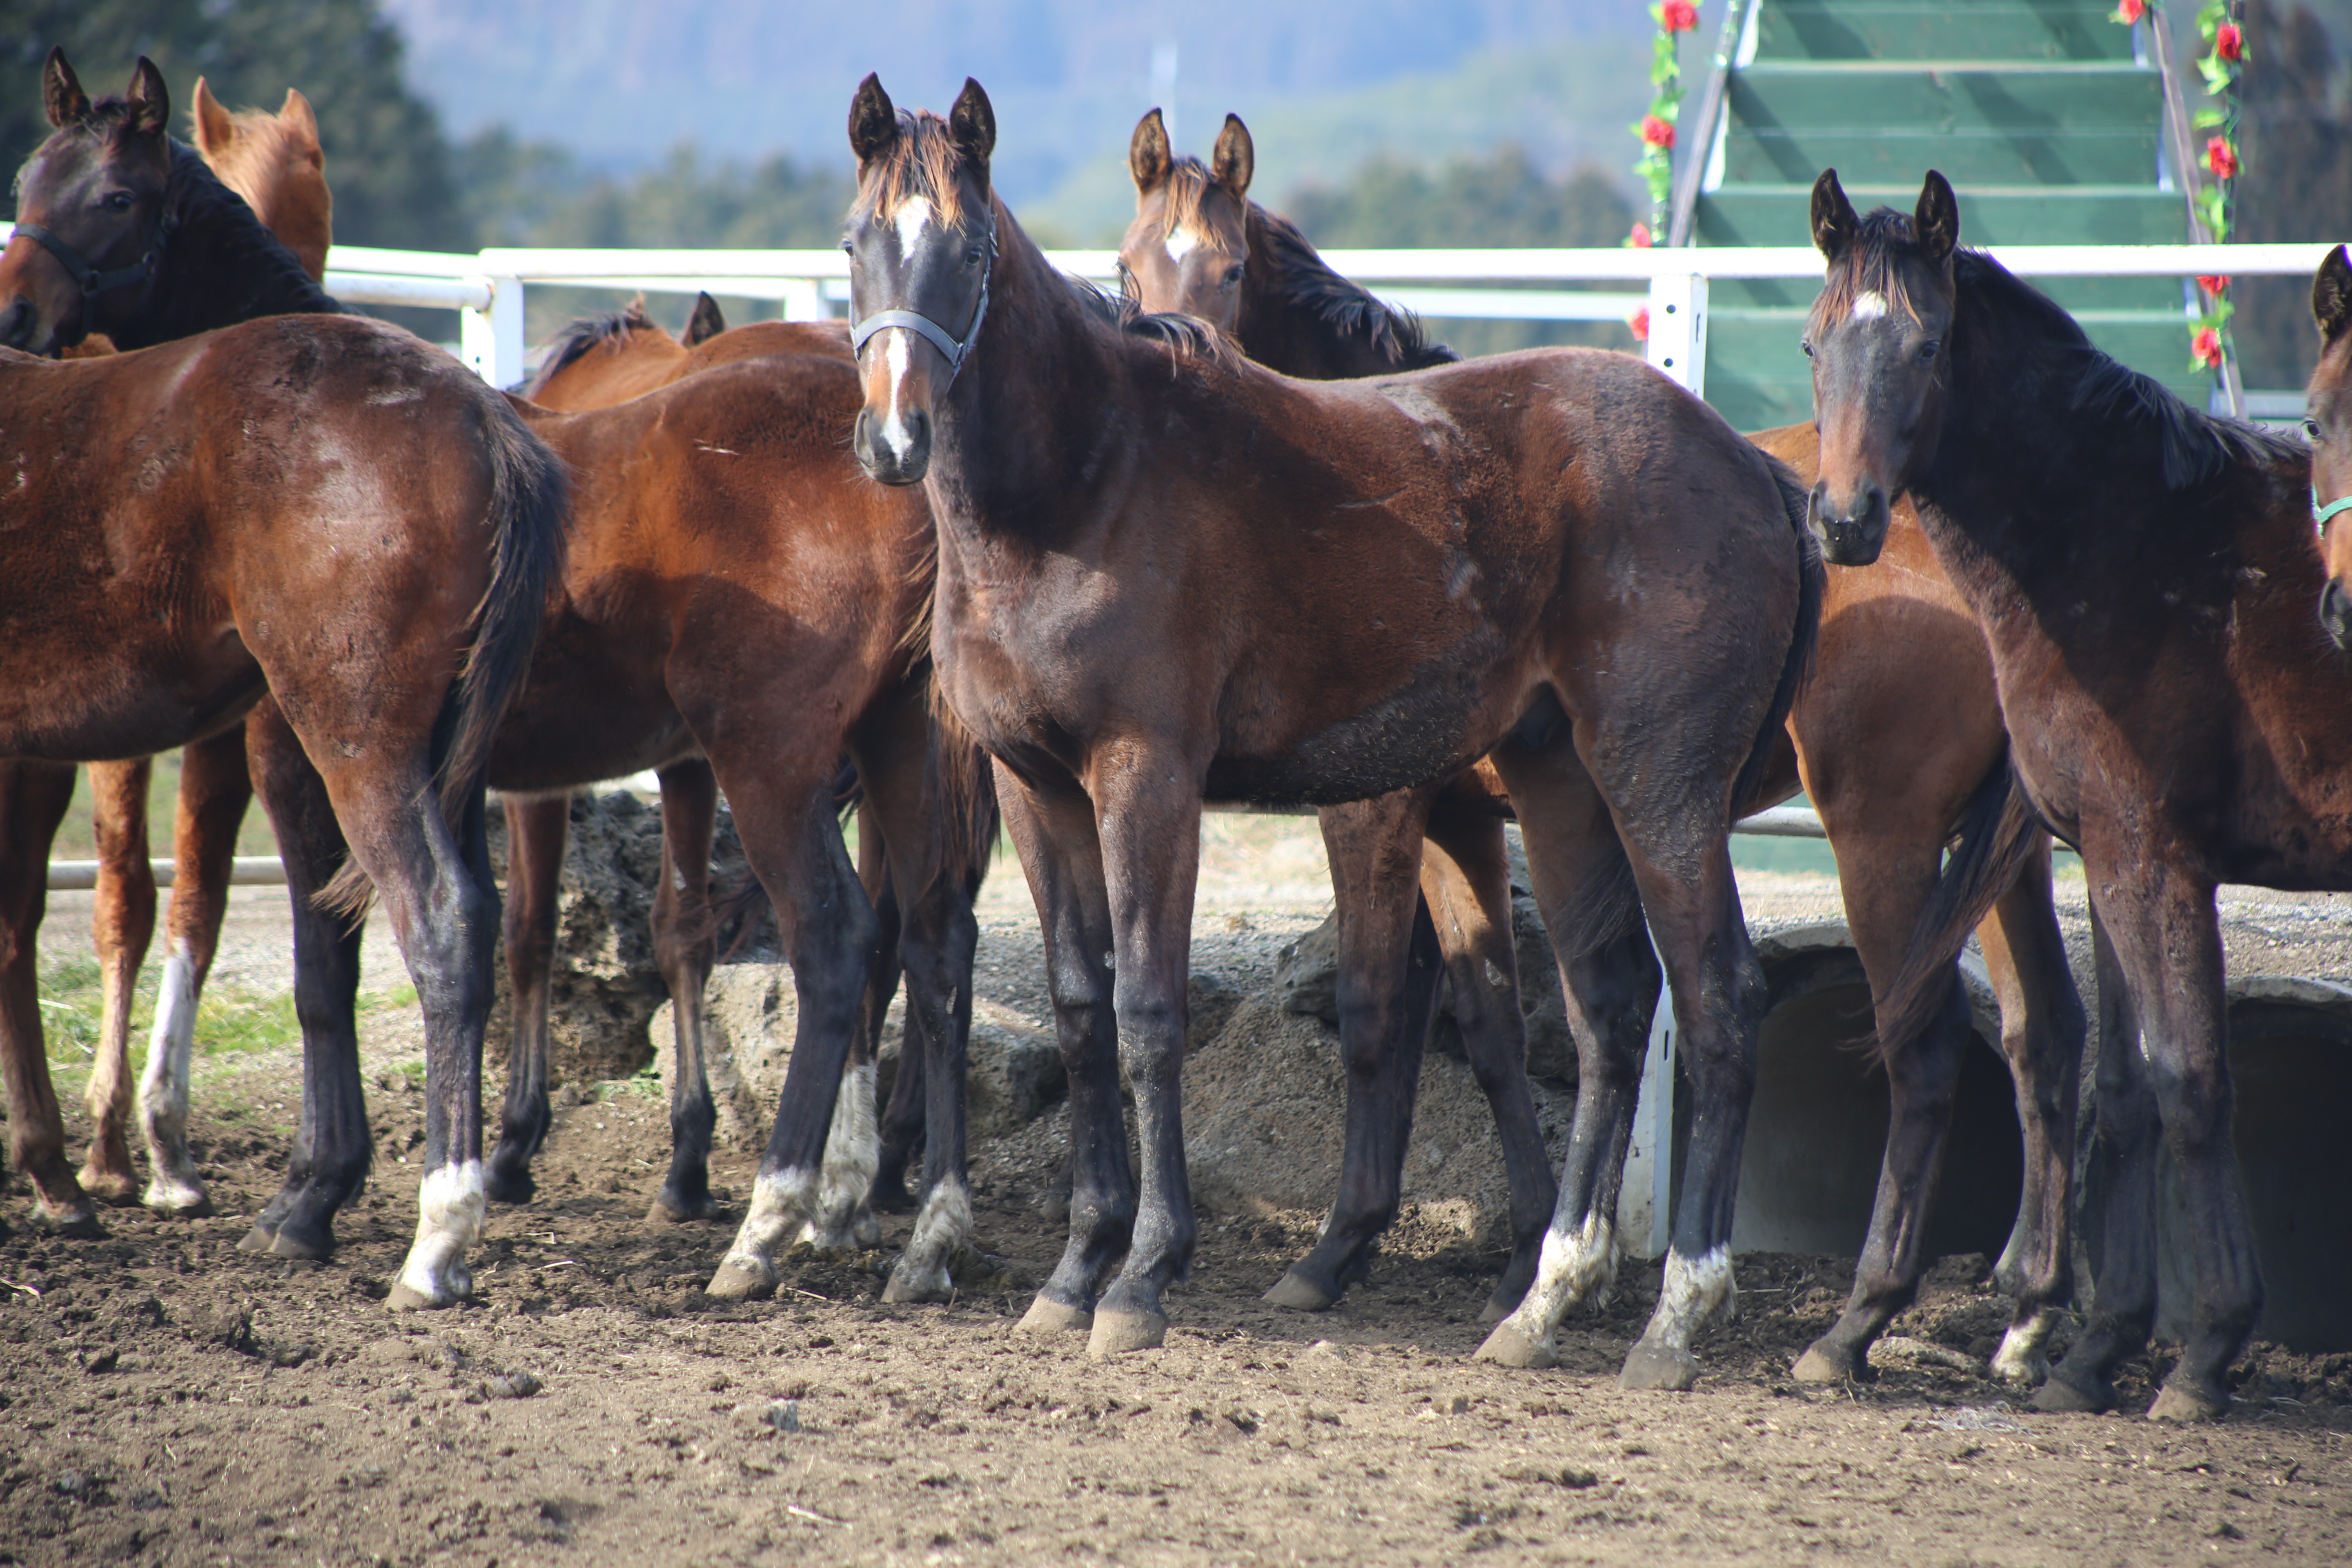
(220, 266)
(1287, 333)
(1032, 405)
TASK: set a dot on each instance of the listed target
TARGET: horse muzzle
(1851, 533)
(2336, 614)
(895, 450)
(20, 324)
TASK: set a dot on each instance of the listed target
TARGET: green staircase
(2046, 117)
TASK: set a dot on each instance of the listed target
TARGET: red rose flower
(1639, 323)
(1681, 16)
(2220, 156)
(2229, 43)
(2216, 286)
(1658, 134)
(2205, 348)
(1640, 238)
(2130, 11)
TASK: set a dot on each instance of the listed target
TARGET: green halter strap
(2320, 514)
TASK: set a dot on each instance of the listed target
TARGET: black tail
(1997, 833)
(1813, 580)
(529, 501)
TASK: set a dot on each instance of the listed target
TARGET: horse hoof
(1116, 1333)
(2067, 1393)
(115, 1189)
(1507, 1346)
(77, 1224)
(927, 1286)
(1048, 1316)
(2024, 1369)
(1299, 1295)
(1659, 1366)
(260, 1238)
(407, 1297)
(178, 1203)
(1820, 1365)
(501, 1186)
(742, 1278)
(2186, 1404)
(666, 1210)
(289, 1242)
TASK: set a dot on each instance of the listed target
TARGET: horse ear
(61, 93)
(2331, 295)
(214, 128)
(705, 322)
(873, 120)
(1235, 158)
(1937, 221)
(971, 123)
(1835, 222)
(150, 100)
(1148, 157)
(297, 112)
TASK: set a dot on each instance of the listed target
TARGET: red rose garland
(1656, 129)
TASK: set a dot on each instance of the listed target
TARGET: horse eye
(1928, 348)
(848, 247)
(1808, 346)
(2311, 428)
(119, 200)
(971, 255)
(1233, 274)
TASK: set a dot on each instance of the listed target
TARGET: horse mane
(1186, 337)
(920, 163)
(1302, 280)
(573, 344)
(2193, 446)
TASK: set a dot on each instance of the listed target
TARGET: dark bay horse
(2146, 576)
(1166, 574)
(2330, 426)
(1893, 734)
(274, 161)
(738, 591)
(320, 507)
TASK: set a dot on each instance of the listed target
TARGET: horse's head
(1188, 248)
(1876, 340)
(2329, 422)
(921, 240)
(276, 163)
(89, 211)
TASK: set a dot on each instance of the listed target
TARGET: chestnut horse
(192, 544)
(2145, 575)
(276, 163)
(1166, 574)
(1891, 771)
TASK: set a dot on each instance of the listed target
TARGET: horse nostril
(2336, 612)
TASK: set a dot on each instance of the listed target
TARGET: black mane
(578, 337)
(220, 266)
(2195, 445)
(1303, 280)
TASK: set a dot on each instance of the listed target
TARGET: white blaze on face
(1869, 305)
(896, 358)
(1181, 244)
(913, 216)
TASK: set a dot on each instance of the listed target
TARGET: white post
(1677, 343)
(490, 341)
(805, 300)
(1646, 1220)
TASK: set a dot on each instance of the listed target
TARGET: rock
(512, 1383)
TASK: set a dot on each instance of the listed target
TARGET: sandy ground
(165, 1398)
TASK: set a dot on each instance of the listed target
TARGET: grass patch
(231, 1020)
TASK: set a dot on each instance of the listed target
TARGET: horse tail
(529, 501)
(1997, 832)
(1812, 581)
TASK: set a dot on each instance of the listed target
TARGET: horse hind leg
(123, 924)
(216, 787)
(1610, 982)
(940, 938)
(34, 796)
(686, 945)
(537, 829)
(901, 1125)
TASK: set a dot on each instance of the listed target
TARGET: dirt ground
(165, 1398)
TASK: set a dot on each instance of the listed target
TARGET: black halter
(863, 333)
(88, 278)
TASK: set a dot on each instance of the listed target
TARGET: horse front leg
(216, 787)
(686, 945)
(1609, 981)
(783, 808)
(901, 1126)
(1388, 984)
(1468, 885)
(2041, 1033)
(1053, 828)
(123, 924)
(34, 796)
(537, 827)
(1148, 800)
(332, 1153)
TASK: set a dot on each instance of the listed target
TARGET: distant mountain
(622, 81)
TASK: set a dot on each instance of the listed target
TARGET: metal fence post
(1677, 341)
(805, 300)
(491, 340)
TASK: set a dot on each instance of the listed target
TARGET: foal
(1892, 736)
(1168, 576)
(2145, 575)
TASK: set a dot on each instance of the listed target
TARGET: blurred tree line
(2295, 183)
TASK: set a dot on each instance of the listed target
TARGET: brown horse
(1166, 574)
(1890, 765)
(2145, 575)
(2330, 426)
(193, 543)
(276, 163)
